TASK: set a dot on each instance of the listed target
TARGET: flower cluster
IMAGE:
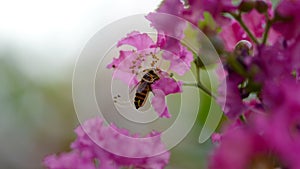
(266, 74)
(259, 46)
(108, 147)
(260, 91)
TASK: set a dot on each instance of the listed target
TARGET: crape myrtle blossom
(269, 139)
(284, 118)
(242, 147)
(89, 150)
(131, 64)
(259, 91)
(288, 18)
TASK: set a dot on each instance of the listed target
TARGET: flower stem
(243, 25)
(199, 84)
(266, 33)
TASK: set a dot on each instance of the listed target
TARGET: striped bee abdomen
(144, 88)
(141, 94)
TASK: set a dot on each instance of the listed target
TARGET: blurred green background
(39, 44)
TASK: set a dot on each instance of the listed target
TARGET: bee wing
(135, 86)
(143, 85)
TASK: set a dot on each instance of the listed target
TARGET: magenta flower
(282, 123)
(129, 63)
(242, 148)
(109, 147)
(289, 12)
(147, 54)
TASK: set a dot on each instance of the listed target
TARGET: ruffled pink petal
(167, 86)
(136, 39)
(168, 25)
(159, 103)
(173, 7)
(116, 61)
(117, 147)
(180, 62)
(160, 89)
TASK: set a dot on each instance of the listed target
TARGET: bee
(144, 87)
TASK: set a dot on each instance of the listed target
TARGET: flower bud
(261, 6)
(246, 6)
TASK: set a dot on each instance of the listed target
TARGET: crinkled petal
(160, 89)
(138, 40)
(117, 147)
(168, 25)
(159, 104)
(179, 56)
(117, 61)
(167, 86)
(173, 7)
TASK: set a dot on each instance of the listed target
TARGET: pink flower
(289, 11)
(281, 124)
(130, 62)
(147, 54)
(117, 145)
(71, 160)
(281, 129)
(240, 148)
(111, 148)
(160, 89)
